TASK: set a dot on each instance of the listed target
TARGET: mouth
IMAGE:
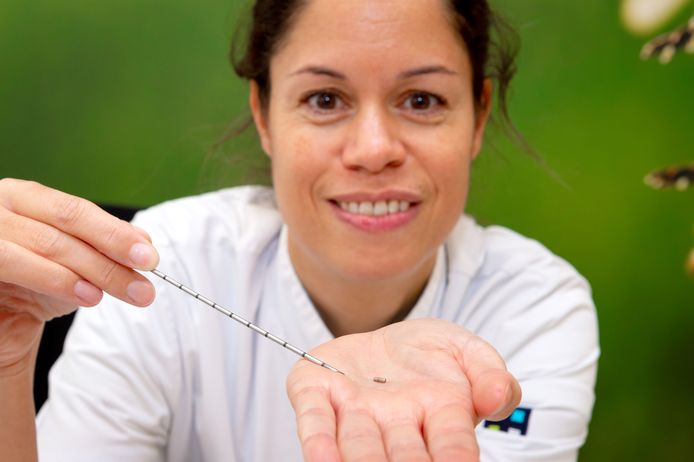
(374, 208)
(371, 214)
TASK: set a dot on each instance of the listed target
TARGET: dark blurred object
(679, 177)
(55, 331)
(665, 46)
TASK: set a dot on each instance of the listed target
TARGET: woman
(371, 113)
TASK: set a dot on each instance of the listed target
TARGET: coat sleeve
(549, 339)
(113, 391)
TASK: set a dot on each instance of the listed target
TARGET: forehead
(381, 29)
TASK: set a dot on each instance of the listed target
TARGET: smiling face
(371, 126)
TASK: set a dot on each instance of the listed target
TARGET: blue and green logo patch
(517, 422)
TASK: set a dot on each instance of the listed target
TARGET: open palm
(440, 381)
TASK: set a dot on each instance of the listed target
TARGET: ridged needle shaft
(246, 323)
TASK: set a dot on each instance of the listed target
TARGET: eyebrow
(319, 70)
(426, 70)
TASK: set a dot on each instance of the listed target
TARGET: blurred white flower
(646, 16)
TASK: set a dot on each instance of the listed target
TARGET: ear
(259, 117)
(482, 116)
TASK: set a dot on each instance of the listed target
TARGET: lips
(383, 211)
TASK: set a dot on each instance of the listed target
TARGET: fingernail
(143, 256)
(140, 293)
(88, 294)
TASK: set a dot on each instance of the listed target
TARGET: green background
(120, 102)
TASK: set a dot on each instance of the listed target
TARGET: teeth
(393, 206)
(377, 209)
(380, 208)
(366, 208)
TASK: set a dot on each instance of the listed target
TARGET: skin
(376, 61)
(58, 251)
(441, 381)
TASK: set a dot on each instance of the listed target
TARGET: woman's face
(371, 127)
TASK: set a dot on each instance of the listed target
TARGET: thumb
(495, 393)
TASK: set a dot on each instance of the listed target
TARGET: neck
(351, 305)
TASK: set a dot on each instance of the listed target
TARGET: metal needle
(246, 323)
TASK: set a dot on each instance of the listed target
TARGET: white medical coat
(178, 381)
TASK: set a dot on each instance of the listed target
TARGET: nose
(374, 143)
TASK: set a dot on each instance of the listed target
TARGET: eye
(421, 101)
(324, 101)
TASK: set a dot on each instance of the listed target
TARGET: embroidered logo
(517, 422)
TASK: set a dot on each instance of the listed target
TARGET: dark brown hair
(491, 44)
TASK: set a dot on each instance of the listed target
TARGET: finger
(450, 434)
(72, 253)
(403, 440)
(143, 233)
(494, 390)
(26, 269)
(111, 236)
(17, 299)
(315, 421)
(359, 436)
(496, 393)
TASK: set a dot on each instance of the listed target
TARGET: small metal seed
(380, 379)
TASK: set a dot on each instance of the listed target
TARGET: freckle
(380, 379)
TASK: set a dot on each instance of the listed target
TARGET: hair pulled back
(491, 45)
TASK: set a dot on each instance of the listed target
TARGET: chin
(380, 267)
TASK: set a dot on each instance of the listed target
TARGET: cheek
(301, 154)
(448, 158)
(291, 155)
(450, 172)
(296, 169)
(453, 184)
